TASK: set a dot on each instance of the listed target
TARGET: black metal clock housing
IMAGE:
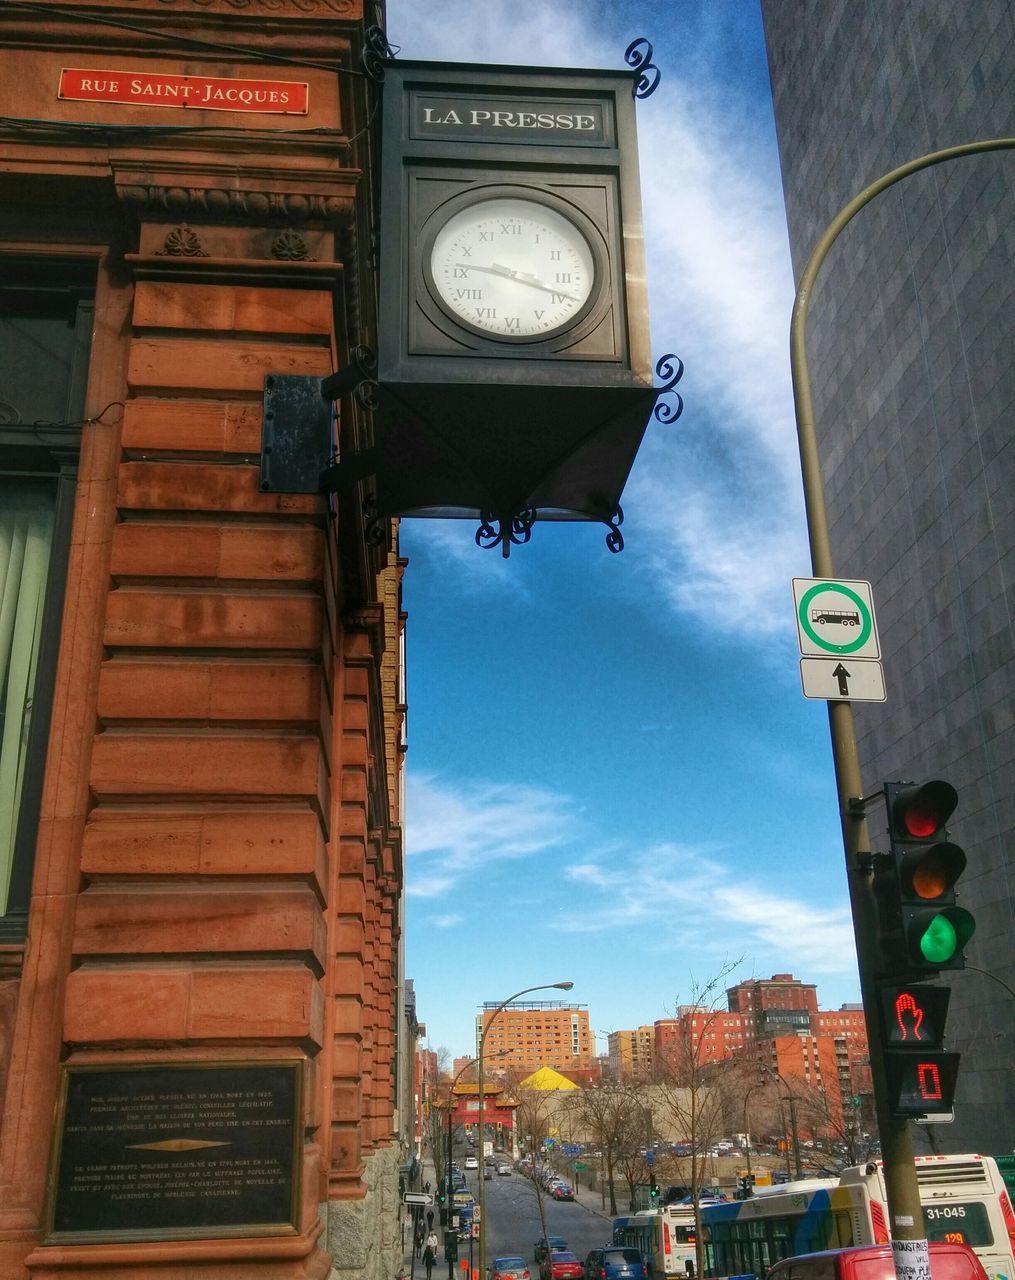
(513, 362)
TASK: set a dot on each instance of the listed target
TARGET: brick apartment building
(201, 865)
(537, 1033)
(776, 1022)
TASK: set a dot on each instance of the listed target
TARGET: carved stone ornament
(220, 204)
(341, 8)
(290, 246)
(182, 242)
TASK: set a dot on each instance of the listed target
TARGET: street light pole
(903, 1193)
(546, 986)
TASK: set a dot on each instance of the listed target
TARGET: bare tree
(436, 1116)
(632, 1160)
(692, 1092)
(603, 1114)
(533, 1120)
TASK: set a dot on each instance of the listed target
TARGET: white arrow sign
(843, 679)
(418, 1197)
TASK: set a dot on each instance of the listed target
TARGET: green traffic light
(939, 940)
(946, 934)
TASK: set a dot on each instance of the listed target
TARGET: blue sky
(612, 776)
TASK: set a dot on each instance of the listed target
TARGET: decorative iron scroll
(670, 373)
(376, 51)
(638, 54)
(615, 539)
(500, 530)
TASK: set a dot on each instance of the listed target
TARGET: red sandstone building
(200, 862)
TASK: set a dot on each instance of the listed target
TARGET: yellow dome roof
(548, 1079)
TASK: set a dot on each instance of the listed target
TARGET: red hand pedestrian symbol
(907, 1008)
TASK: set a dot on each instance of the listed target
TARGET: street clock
(513, 265)
(511, 235)
(513, 373)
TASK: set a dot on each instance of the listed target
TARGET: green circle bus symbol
(836, 616)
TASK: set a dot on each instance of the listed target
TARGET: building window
(46, 315)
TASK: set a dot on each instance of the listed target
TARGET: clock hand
(523, 277)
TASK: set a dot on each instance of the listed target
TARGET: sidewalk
(593, 1201)
(418, 1272)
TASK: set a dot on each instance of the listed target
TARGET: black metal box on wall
(513, 357)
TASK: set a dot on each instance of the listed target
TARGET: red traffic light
(919, 812)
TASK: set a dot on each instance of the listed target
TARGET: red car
(561, 1266)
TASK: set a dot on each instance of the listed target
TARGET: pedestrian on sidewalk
(417, 1238)
(430, 1253)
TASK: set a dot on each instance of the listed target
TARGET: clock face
(512, 268)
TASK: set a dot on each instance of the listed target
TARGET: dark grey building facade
(911, 343)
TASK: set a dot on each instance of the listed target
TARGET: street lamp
(791, 1100)
(546, 986)
(758, 1084)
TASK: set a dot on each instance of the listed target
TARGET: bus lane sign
(835, 618)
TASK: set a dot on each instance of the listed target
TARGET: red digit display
(928, 1077)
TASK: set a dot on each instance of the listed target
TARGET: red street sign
(207, 93)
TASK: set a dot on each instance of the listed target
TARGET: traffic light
(921, 1077)
(922, 930)
(653, 1187)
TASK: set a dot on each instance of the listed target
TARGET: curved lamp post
(903, 1193)
(546, 986)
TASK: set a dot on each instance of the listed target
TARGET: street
(513, 1225)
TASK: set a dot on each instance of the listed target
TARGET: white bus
(964, 1199)
(665, 1237)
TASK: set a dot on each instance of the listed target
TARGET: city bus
(665, 1237)
(963, 1196)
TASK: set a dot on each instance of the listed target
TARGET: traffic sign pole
(905, 1212)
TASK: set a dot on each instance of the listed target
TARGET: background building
(536, 1033)
(775, 1023)
(912, 327)
(200, 845)
(632, 1053)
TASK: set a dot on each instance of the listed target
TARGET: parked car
(561, 1265)
(471, 1162)
(874, 1262)
(613, 1262)
(561, 1191)
(509, 1268)
(545, 1243)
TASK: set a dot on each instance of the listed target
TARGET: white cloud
(457, 829)
(693, 902)
(447, 921)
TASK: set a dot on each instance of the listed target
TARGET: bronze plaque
(163, 1152)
